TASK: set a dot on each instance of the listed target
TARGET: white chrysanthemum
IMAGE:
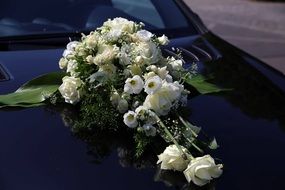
(149, 130)
(130, 119)
(152, 84)
(134, 85)
(202, 170)
(163, 40)
(172, 159)
(70, 89)
(144, 35)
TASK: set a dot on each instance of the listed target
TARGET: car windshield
(18, 17)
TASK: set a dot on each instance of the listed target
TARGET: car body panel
(37, 151)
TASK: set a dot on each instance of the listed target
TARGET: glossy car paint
(38, 152)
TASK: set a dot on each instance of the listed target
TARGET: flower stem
(186, 155)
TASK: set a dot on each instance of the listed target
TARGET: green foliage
(96, 110)
(199, 82)
(34, 92)
(141, 141)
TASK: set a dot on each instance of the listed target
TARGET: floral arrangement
(118, 73)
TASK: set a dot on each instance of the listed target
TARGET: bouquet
(118, 74)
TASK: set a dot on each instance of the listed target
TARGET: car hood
(39, 152)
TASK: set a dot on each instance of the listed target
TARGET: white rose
(134, 85)
(71, 67)
(71, 90)
(123, 106)
(118, 26)
(144, 35)
(163, 40)
(63, 63)
(148, 51)
(91, 40)
(106, 54)
(130, 119)
(149, 130)
(153, 84)
(70, 48)
(202, 170)
(172, 159)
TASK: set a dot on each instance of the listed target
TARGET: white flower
(152, 84)
(172, 159)
(162, 72)
(144, 35)
(130, 119)
(108, 69)
(162, 100)
(91, 40)
(70, 48)
(176, 64)
(117, 27)
(149, 129)
(148, 51)
(115, 98)
(135, 69)
(163, 40)
(202, 170)
(71, 67)
(134, 85)
(70, 89)
(123, 106)
(63, 63)
(105, 54)
(149, 75)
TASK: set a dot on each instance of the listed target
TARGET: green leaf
(213, 144)
(34, 92)
(199, 82)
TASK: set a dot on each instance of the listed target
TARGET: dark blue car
(37, 151)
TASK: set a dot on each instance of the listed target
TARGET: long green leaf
(34, 92)
(199, 82)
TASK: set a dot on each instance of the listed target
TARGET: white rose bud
(70, 89)
(123, 106)
(63, 63)
(130, 119)
(202, 170)
(172, 159)
(163, 40)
